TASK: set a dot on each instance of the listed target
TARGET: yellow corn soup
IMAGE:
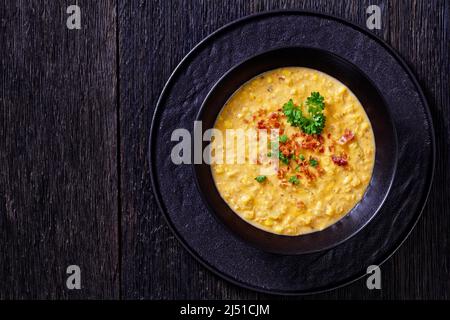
(320, 177)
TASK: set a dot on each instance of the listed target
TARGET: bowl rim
(278, 12)
(212, 210)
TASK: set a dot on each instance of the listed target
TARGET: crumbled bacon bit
(340, 160)
(329, 136)
(331, 148)
(262, 124)
(310, 143)
(282, 172)
(308, 174)
(320, 139)
(346, 137)
(274, 120)
(284, 149)
(274, 115)
(271, 122)
(297, 148)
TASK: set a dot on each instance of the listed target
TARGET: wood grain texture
(58, 151)
(154, 36)
(419, 30)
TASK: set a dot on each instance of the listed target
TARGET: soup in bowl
(319, 168)
(328, 171)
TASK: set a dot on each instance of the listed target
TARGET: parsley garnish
(313, 162)
(261, 178)
(294, 180)
(312, 125)
(283, 138)
(315, 103)
(283, 158)
(302, 157)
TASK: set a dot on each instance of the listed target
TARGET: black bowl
(385, 156)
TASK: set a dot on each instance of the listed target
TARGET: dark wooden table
(75, 112)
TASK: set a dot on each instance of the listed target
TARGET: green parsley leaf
(283, 138)
(312, 125)
(294, 180)
(293, 113)
(313, 162)
(302, 157)
(315, 103)
(261, 179)
(283, 158)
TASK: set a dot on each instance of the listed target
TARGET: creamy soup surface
(319, 177)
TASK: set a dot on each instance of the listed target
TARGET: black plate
(211, 242)
(382, 125)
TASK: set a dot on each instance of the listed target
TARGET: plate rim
(247, 18)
